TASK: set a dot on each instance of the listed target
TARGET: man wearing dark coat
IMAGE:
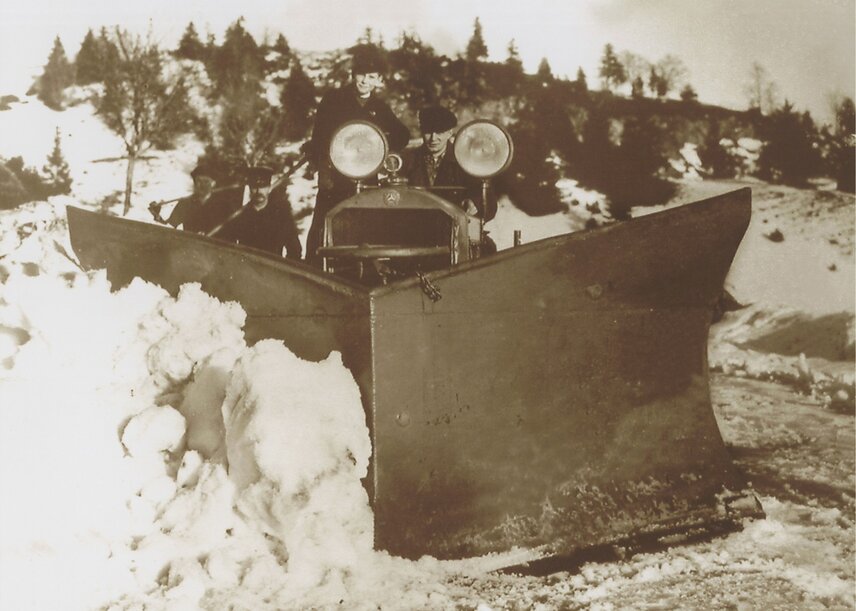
(266, 222)
(205, 208)
(357, 100)
(434, 165)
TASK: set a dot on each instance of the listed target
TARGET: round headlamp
(358, 149)
(483, 149)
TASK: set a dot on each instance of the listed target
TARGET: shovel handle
(285, 175)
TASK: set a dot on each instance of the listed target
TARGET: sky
(806, 46)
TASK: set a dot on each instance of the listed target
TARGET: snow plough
(553, 396)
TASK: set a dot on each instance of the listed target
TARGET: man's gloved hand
(155, 209)
(470, 207)
(306, 151)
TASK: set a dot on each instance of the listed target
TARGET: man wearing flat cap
(266, 221)
(434, 165)
(356, 101)
(205, 208)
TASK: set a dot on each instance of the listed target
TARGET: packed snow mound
(265, 511)
(296, 457)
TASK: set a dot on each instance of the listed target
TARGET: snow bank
(95, 155)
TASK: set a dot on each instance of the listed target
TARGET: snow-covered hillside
(150, 459)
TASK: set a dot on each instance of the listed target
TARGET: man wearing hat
(434, 165)
(357, 100)
(266, 221)
(204, 209)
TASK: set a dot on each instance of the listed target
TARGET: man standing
(356, 101)
(204, 209)
(434, 165)
(266, 222)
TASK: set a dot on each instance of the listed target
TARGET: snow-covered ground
(150, 459)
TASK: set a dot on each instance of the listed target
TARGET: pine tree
(716, 159)
(688, 94)
(238, 59)
(190, 47)
(298, 100)
(637, 88)
(476, 47)
(513, 60)
(58, 176)
(612, 72)
(88, 63)
(545, 73)
(140, 103)
(58, 74)
(581, 82)
(281, 46)
(843, 149)
(789, 155)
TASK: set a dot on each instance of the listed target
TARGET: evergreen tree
(581, 82)
(843, 148)
(89, 62)
(57, 75)
(298, 100)
(58, 176)
(420, 78)
(545, 73)
(688, 94)
(281, 46)
(789, 155)
(718, 162)
(476, 47)
(238, 59)
(513, 60)
(612, 72)
(656, 83)
(190, 47)
(140, 103)
(637, 88)
(367, 37)
(283, 54)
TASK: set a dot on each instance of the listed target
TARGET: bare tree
(667, 75)
(761, 90)
(635, 66)
(140, 103)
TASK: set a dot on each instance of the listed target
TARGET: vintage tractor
(553, 396)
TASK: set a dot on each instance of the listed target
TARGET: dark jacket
(449, 174)
(270, 229)
(336, 108)
(201, 217)
(339, 106)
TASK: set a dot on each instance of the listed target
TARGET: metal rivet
(595, 291)
(403, 419)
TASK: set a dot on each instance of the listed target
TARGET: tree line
(257, 97)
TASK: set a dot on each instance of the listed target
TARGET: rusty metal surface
(555, 396)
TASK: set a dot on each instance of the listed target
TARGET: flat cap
(366, 58)
(436, 119)
(257, 176)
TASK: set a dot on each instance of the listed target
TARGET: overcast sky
(807, 46)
